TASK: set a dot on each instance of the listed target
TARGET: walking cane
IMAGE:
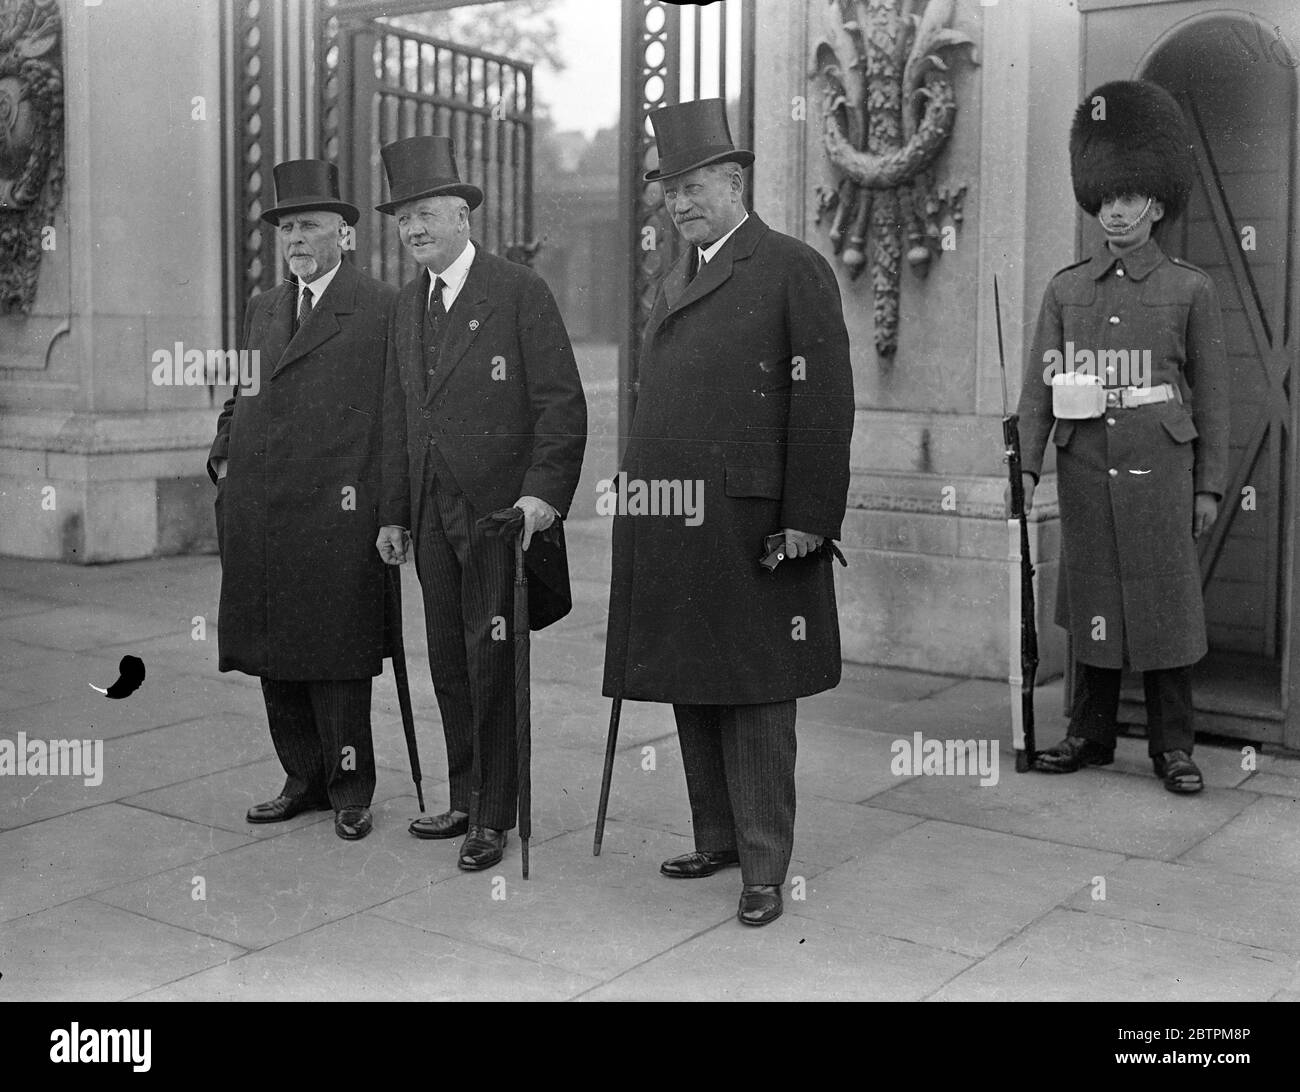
(398, 649)
(611, 743)
(523, 702)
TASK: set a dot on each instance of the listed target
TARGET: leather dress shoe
(1179, 773)
(352, 822)
(446, 825)
(284, 807)
(1073, 753)
(482, 848)
(760, 903)
(691, 866)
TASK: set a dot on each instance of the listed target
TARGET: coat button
(1110, 420)
(1112, 472)
(1113, 320)
(425, 414)
(1119, 271)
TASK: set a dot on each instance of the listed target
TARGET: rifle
(1023, 669)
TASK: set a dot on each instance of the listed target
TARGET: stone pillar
(926, 535)
(97, 462)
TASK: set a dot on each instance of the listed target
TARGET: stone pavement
(915, 886)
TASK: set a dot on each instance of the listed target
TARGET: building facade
(920, 144)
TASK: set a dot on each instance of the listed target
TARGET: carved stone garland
(888, 108)
(31, 143)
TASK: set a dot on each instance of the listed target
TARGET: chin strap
(1126, 228)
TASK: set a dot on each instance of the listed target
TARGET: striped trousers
(313, 725)
(467, 580)
(739, 762)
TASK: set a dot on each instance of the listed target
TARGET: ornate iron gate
(396, 84)
(329, 79)
(670, 55)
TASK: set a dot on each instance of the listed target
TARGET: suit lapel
(466, 318)
(322, 324)
(681, 291)
(276, 325)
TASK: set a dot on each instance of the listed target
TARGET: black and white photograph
(651, 500)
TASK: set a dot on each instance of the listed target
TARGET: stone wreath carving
(31, 142)
(888, 108)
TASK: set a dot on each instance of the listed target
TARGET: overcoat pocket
(754, 481)
(1064, 430)
(1181, 427)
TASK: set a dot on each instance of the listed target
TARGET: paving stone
(892, 684)
(1200, 899)
(574, 910)
(19, 654)
(793, 959)
(86, 951)
(145, 760)
(15, 605)
(76, 711)
(13, 700)
(276, 888)
(843, 764)
(368, 958)
(64, 858)
(830, 832)
(952, 887)
(1263, 840)
(1094, 808)
(80, 628)
(1076, 956)
(1220, 766)
(222, 799)
(1278, 765)
(1274, 785)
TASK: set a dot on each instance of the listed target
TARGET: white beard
(303, 268)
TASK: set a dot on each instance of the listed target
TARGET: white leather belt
(1128, 397)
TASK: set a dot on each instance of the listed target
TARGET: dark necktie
(304, 307)
(437, 311)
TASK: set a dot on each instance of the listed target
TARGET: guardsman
(1127, 375)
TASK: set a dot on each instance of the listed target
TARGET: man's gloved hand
(800, 543)
(391, 544)
(538, 515)
(1204, 513)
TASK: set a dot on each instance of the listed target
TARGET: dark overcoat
(302, 585)
(1130, 585)
(505, 409)
(745, 388)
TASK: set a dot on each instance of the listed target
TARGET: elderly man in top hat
(484, 395)
(296, 462)
(1139, 416)
(746, 393)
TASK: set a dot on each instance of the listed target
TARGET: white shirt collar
(453, 277)
(706, 255)
(318, 286)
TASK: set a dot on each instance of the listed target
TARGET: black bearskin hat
(1129, 137)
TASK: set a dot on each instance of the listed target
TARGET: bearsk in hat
(1129, 137)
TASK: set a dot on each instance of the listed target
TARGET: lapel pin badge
(473, 324)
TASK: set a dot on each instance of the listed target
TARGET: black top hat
(424, 166)
(302, 184)
(693, 134)
(1129, 137)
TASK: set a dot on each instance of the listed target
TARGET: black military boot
(1179, 773)
(1072, 753)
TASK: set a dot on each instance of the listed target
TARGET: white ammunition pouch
(1077, 396)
